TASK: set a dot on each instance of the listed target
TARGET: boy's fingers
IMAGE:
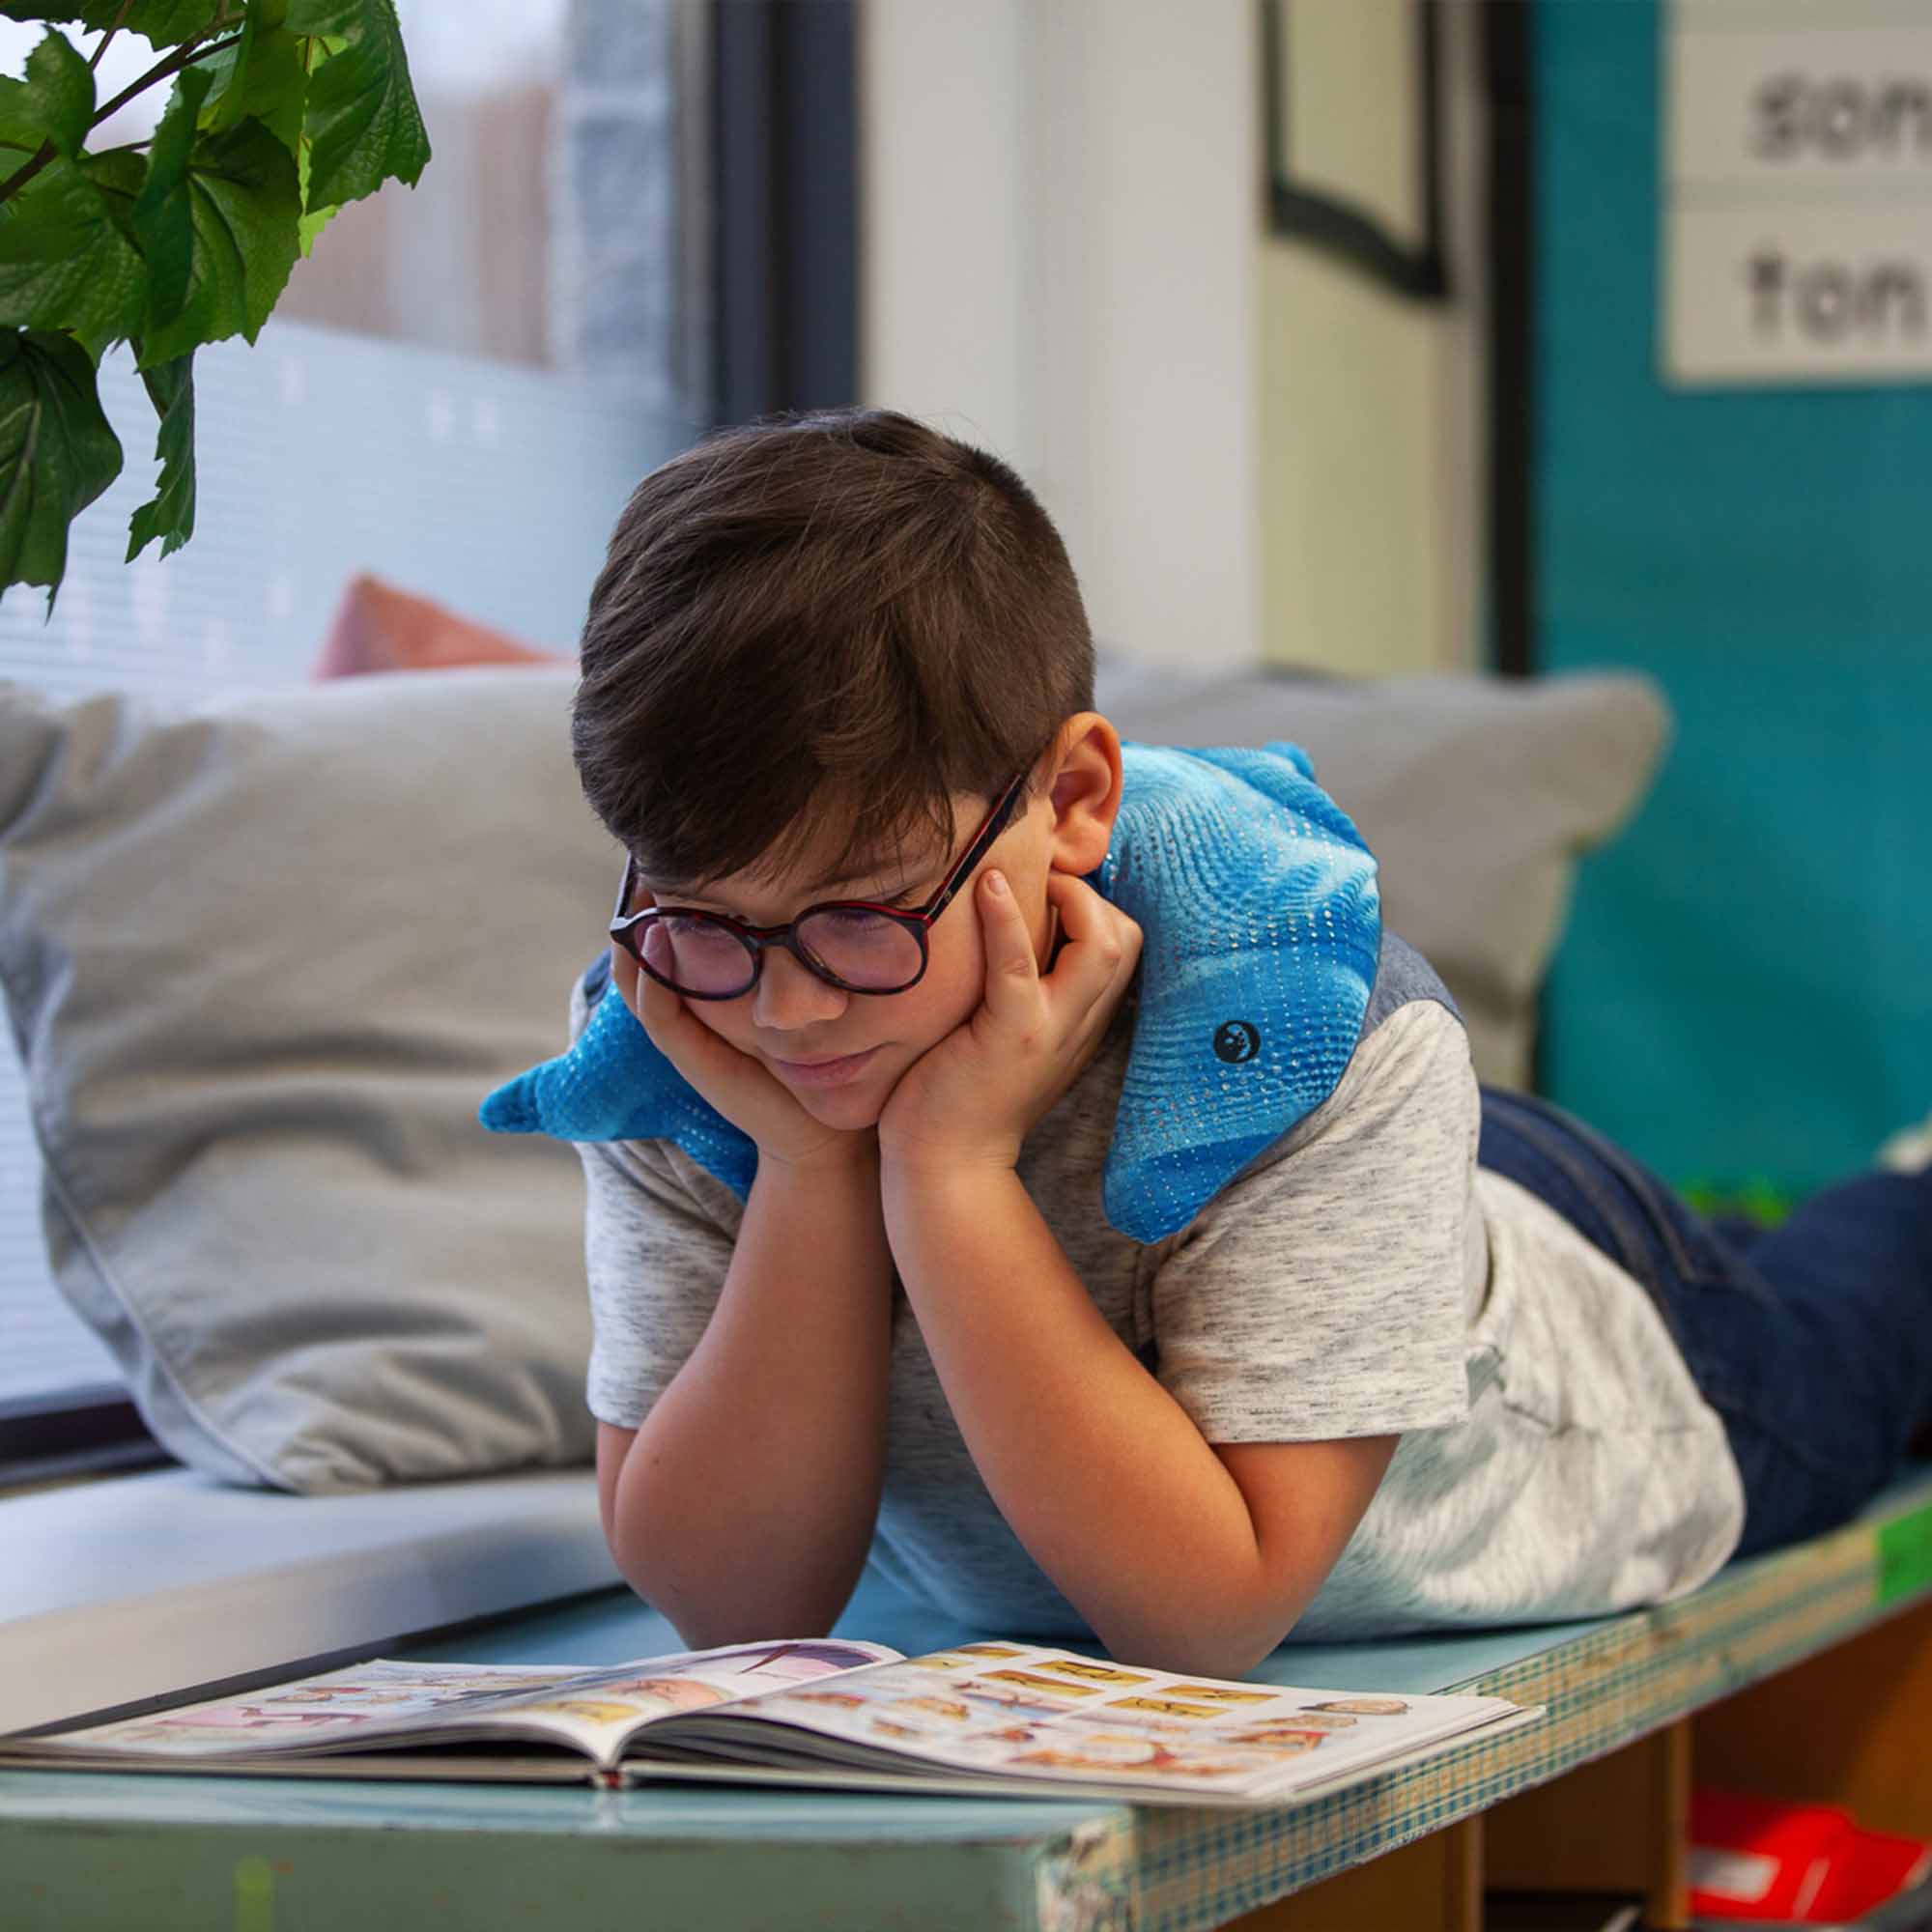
(655, 1009)
(624, 975)
(1011, 967)
(662, 1015)
(1107, 939)
(637, 986)
(681, 1036)
(1078, 902)
(664, 1012)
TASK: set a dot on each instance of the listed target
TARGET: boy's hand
(754, 1100)
(972, 1099)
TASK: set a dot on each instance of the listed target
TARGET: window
(631, 212)
(458, 265)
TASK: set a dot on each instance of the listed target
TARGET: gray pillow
(263, 958)
(1478, 795)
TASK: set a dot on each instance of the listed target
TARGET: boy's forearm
(746, 1504)
(1101, 1474)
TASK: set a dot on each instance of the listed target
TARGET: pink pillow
(377, 627)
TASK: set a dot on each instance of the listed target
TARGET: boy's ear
(1085, 792)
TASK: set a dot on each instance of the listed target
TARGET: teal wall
(1746, 987)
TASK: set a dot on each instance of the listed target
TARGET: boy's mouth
(824, 1073)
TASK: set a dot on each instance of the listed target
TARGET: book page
(340, 1707)
(600, 1710)
(390, 1701)
(1015, 1710)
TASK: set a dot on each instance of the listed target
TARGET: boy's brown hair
(839, 617)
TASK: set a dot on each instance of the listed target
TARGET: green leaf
(312, 225)
(65, 263)
(57, 453)
(54, 102)
(243, 209)
(314, 219)
(363, 119)
(263, 76)
(170, 516)
(165, 22)
(336, 20)
(164, 209)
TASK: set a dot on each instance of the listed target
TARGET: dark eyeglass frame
(627, 928)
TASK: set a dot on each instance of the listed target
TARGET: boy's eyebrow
(873, 866)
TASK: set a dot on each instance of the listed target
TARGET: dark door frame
(1509, 40)
(784, 142)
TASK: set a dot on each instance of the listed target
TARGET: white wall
(1253, 451)
(1372, 406)
(1059, 261)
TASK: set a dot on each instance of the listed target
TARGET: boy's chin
(853, 1103)
(853, 1107)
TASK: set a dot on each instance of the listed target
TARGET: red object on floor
(1769, 1860)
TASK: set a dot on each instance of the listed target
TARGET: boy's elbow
(697, 1633)
(1192, 1649)
(703, 1624)
(1238, 1657)
(1223, 1626)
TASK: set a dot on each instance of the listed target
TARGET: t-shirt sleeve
(1324, 1293)
(655, 1260)
(656, 1264)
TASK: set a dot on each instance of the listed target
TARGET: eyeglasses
(854, 945)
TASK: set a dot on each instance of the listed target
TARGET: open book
(1013, 1718)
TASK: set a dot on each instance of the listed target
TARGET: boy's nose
(788, 996)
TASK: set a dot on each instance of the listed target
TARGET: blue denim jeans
(1812, 1340)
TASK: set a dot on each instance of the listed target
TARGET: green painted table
(84, 1851)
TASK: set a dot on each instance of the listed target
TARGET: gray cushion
(263, 958)
(1478, 795)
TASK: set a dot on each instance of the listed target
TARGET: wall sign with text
(1798, 193)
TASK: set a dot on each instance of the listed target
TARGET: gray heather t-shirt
(1361, 1277)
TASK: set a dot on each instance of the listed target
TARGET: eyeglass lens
(863, 948)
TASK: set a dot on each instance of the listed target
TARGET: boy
(839, 663)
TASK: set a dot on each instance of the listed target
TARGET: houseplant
(277, 113)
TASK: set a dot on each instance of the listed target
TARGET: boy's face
(791, 1016)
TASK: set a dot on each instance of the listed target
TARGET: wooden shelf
(1847, 1726)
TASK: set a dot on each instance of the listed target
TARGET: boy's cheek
(886, 1083)
(962, 1002)
(706, 1014)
